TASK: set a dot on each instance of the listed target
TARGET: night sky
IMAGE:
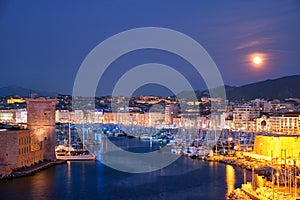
(43, 43)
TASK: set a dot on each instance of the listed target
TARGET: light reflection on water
(230, 178)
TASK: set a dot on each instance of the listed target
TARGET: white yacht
(64, 152)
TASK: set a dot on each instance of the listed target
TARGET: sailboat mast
(69, 133)
(83, 146)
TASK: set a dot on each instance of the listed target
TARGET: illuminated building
(263, 124)
(128, 118)
(189, 122)
(217, 121)
(98, 116)
(41, 123)
(16, 150)
(13, 116)
(171, 111)
(177, 120)
(288, 123)
(15, 100)
(7, 116)
(21, 116)
(155, 118)
(276, 106)
(79, 116)
(110, 118)
(202, 122)
(244, 116)
(277, 145)
(261, 104)
(62, 116)
(137, 118)
(168, 114)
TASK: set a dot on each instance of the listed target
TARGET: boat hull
(77, 157)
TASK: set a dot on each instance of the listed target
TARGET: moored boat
(68, 153)
(71, 157)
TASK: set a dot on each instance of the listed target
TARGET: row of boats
(198, 152)
(198, 147)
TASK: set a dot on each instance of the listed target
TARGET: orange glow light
(257, 60)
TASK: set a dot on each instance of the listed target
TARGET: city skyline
(149, 99)
(44, 44)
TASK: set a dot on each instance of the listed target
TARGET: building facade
(16, 151)
(244, 117)
(288, 123)
(284, 124)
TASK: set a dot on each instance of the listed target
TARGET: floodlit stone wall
(277, 145)
(41, 123)
(16, 150)
(9, 147)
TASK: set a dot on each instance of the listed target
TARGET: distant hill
(23, 92)
(281, 88)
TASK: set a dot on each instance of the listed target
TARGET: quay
(274, 186)
(31, 170)
(262, 193)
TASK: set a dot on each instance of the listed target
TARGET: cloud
(253, 43)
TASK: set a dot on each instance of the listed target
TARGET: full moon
(257, 60)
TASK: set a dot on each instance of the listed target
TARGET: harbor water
(186, 178)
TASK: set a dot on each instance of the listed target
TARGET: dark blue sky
(43, 43)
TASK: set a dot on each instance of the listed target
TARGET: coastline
(30, 171)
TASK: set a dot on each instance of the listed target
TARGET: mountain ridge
(278, 88)
(14, 90)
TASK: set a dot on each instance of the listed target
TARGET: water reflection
(69, 176)
(37, 187)
(230, 178)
